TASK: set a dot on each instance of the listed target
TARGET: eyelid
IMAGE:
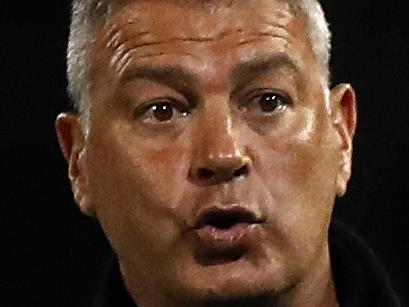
(262, 91)
(250, 96)
(141, 109)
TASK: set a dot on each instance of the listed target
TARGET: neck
(316, 290)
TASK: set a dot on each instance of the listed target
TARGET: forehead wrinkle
(255, 37)
(112, 41)
(115, 38)
(201, 39)
(128, 59)
(281, 19)
(240, 32)
(282, 16)
(123, 52)
(158, 54)
(122, 55)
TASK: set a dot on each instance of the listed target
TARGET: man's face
(212, 160)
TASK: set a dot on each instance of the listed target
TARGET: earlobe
(344, 120)
(71, 140)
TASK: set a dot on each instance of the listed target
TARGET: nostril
(241, 171)
(204, 173)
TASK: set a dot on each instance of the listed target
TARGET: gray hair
(89, 15)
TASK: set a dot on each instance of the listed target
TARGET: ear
(72, 144)
(344, 119)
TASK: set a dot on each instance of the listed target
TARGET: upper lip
(228, 216)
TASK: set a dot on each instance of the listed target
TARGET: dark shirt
(360, 280)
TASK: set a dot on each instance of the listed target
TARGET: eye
(271, 102)
(161, 111)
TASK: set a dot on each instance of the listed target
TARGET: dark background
(53, 256)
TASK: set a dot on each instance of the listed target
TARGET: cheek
(137, 171)
(299, 169)
(135, 191)
(301, 156)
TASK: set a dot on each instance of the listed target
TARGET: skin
(147, 180)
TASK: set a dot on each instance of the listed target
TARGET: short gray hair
(89, 15)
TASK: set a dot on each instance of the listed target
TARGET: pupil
(163, 112)
(269, 102)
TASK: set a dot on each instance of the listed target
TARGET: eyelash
(144, 109)
(255, 94)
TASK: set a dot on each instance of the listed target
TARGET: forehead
(202, 33)
(124, 9)
(200, 18)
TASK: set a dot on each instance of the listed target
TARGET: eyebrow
(187, 83)
(247, 71)
(174, 77)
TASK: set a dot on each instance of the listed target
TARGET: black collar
(360, 280)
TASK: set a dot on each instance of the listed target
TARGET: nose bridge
(218, 155)
(216, 137)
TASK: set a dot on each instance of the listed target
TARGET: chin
(237, 280)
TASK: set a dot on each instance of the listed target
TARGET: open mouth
(225, 234)
(226, 218)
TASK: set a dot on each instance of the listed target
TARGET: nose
(218, 156)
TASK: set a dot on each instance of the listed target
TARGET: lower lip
(238, 235)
